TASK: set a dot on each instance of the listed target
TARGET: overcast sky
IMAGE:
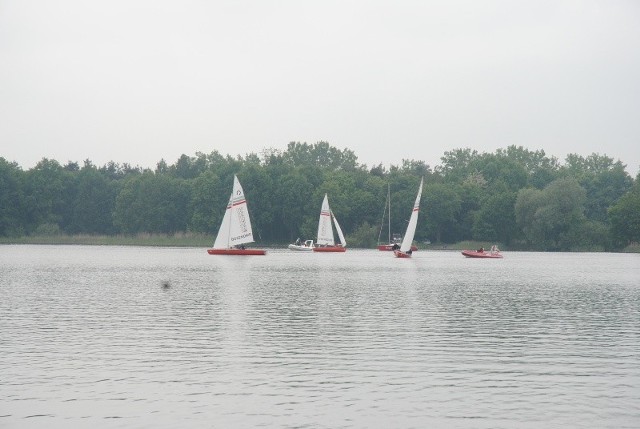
(141, 80)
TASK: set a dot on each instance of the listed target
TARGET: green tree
(457, 164)
(365, 236)
(45, 194)
(472, 192)
(292, 192)
(11, 199)
(93, 203)
(505, 196)
(625, 218)
(207, 204)
(152, 203)
(541, 170)
(442, 205)
(496, 219)
(320, 154)
(417, 168)
(498, 169)
(549, 218)
(604, 180)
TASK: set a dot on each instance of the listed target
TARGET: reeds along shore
(143, 239)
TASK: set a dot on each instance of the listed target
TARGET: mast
(384, 211)
(389, 199)
(223, 239)
(413, 222)
(230, 210)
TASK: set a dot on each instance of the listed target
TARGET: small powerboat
(307, 246)
(493, 254)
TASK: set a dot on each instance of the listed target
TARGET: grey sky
(139, 80)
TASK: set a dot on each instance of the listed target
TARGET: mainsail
(325, 230)
(236, 225)
(413, 222)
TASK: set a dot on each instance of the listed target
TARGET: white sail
(236, 225)
(413, 222)
(325, 230)
(222, 239)
(340, 234)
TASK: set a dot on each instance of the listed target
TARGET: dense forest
(518, 198)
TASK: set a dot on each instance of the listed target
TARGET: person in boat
(298, 241)
(494, 249)
(409, 252)
(480, 250)
(395, 246)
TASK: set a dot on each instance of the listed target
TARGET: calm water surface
(89, 337)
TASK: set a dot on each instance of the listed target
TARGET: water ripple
(91, 337)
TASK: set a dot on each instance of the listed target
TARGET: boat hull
(328, 249)
(240, 252)
(401, 254)
(485, 255)
(300, 248)
(389, 247)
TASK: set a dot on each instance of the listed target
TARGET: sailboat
(235, 230)
(405, 248)
(394, 242)
(325, 242)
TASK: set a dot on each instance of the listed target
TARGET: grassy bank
(632, 248)
(164, 240)
(462, 245)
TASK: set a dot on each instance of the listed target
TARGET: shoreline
(158, 240)
(205, 241)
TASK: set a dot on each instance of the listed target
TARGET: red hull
(236, 252)
(400, 254)
(476, 254)
(330, 249)
(389, 247)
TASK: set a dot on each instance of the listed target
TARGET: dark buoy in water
(166, 284)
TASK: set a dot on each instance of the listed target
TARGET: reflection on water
(91, 337)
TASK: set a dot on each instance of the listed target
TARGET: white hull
(300, 248)
(306, 247)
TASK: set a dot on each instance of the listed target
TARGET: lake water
(91, 337)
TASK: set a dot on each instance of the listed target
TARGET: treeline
(516, 197)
